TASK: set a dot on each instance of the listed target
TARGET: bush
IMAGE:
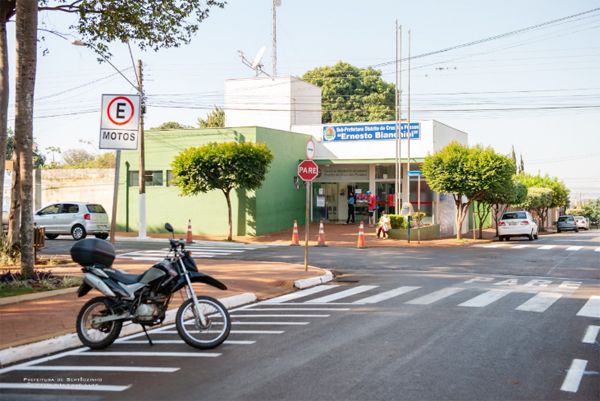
(398, 221)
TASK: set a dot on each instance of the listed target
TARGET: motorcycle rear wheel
(216, 330)
(93, 335)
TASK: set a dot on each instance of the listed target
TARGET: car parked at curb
(566, 223)
(582, 222)
(77, 219)
(517, 224)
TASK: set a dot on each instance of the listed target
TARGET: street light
(142, 184)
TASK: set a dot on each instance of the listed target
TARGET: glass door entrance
(385, 197)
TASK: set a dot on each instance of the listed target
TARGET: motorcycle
(201, 321)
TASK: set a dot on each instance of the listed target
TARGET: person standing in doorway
(372, 205)
(351, 201)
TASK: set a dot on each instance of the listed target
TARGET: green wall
(272, 207)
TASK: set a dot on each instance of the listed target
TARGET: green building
(272, 207)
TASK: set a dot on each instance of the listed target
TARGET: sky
(537, 90)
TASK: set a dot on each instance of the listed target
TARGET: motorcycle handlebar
(175, 243)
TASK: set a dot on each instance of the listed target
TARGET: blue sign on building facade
(369, 131)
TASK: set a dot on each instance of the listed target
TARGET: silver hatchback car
(75, 218)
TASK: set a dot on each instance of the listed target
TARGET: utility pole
(398, 194)
(276, 3)
(142, 181)
(409, 133)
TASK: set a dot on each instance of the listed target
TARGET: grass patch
(12, 284)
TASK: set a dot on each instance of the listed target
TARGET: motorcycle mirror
(169, 227)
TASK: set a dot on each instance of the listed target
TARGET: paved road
(475, 323)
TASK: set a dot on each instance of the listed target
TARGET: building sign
(119, 120)
(343, 173)
(369, 131)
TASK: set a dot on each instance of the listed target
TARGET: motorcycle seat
(123, 277)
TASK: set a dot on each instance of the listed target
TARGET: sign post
(307, 171)
(119, 122)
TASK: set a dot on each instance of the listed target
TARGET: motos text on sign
(119, 121)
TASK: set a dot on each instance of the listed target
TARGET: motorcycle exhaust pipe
(97, 283)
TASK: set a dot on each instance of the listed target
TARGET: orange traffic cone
(295, 239)
(188, 237)
(321, 235)
(361, 236)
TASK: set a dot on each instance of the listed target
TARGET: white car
(517, 224)
(75, 218)
(582, 223)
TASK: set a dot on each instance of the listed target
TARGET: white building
(355, 157)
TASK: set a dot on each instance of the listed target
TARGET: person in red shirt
(390, 201)
(372, 205)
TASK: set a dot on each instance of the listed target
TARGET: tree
(77, 157)
(514, 195)
(521, 165)
(214, 119)
(352, 94)
(172, 125)
(147, 23)
(7, 10)
(223, 166)
(539, 200)
(469, 173)
(560, 193)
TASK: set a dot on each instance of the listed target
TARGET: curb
(36, 295)
(60, 343)
(312, 281)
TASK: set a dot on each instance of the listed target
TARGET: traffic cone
(360, 243)
(188, 237)
(321, 235)
(295, 239)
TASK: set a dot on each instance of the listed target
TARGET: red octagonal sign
(308, 170)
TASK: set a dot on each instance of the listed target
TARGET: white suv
(582, 222)
(75, 218)
(517, 224)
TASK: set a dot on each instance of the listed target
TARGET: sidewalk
(31, 321)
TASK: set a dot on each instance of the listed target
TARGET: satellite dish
(258, 58)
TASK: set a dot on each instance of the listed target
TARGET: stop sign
(308, 170)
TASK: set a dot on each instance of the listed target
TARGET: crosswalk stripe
(293, 309)
(546, 247)
(386, 295)
(75, 368)
(591, 307)
(574, 375)
(294, 315)
(230, 342)
(540, 302)
(62, 386)
(493, 246)
(485, 299)
(299, 294)
(231, 332)
(435, 296)
(342, 294)
(172, 354)
(597, 250)
(591, 334)
(270, 323)
(574, 248)
(521, 246)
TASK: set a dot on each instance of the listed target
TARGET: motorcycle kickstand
(147, 335)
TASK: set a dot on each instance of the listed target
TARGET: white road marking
(435, 296)
(546, 247)
(62, 386)
(574, 248)
(591, 307)
(75, 368)
(386, 295)
(242, 315)
(177, 354)
(574, 375)
(591, 334)
(232, 332)
(342, 294)
(298, 294)
(597, 250)
(292, 309)
(493, 246)
(230, 342)
(540, 302)
(485, 299)
(268, 323)
(521, 246)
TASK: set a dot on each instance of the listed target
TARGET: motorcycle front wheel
(97, 335)
(211, 335)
